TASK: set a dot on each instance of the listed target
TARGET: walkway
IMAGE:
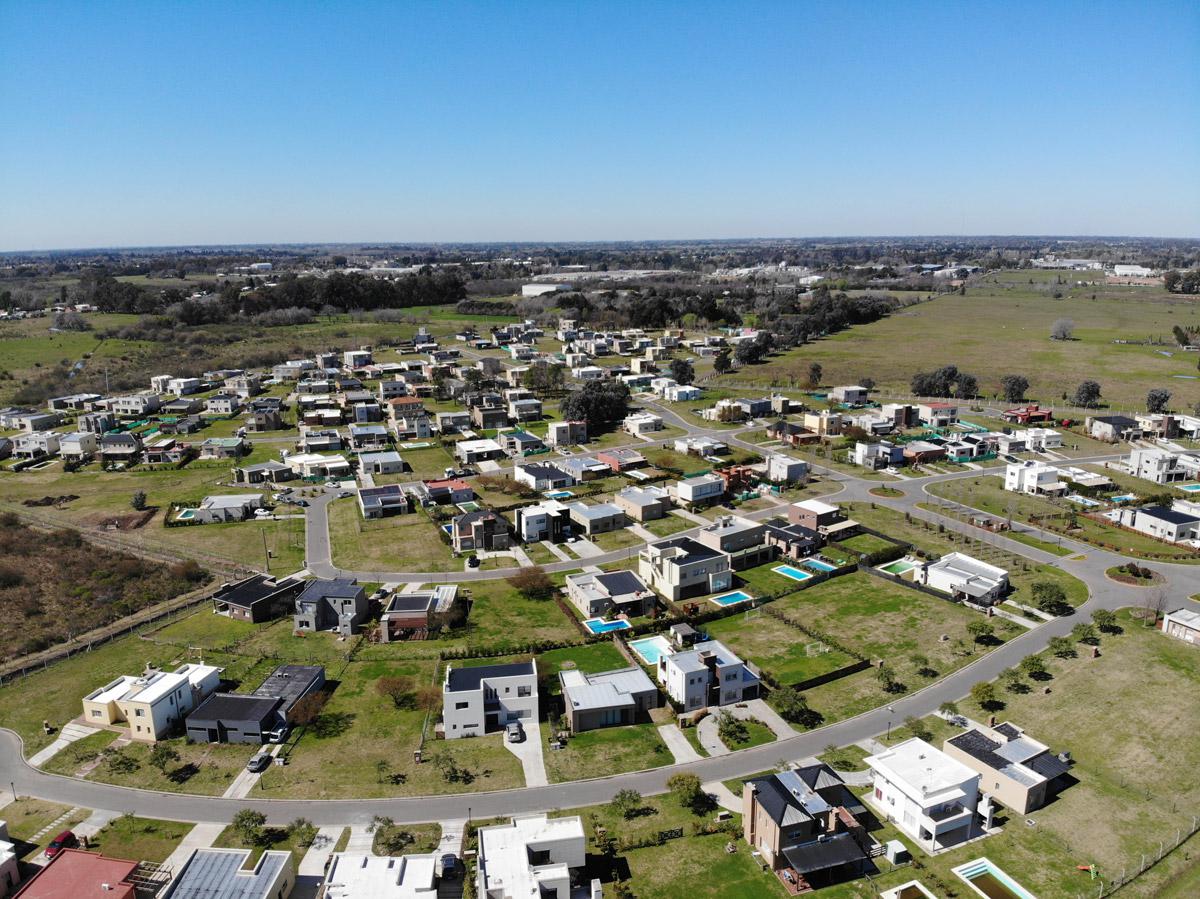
(529, 753)
(69, 734)
(681, 749)
(310, 873)
(202, 836)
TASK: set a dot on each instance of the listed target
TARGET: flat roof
(219, 874)
(460, 679)
(923, 771)
(504, 852)
(290, 682)
(371, 876)
(235, 707)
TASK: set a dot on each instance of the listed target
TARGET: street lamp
(891, 711)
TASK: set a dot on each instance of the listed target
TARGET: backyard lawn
(784, 652)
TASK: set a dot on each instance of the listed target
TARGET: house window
(95, 713)
(459, 706)
(140, 713)
(524, 691)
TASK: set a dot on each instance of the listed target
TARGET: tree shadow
(184, 773)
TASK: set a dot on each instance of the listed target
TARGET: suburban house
(641, 423)
(791, 433)
(1162, 523)
(607, 699)
(331, 605)
(452, 422)
(699, 491)
(471, 451)
(542, 476)
(792, 540)
(804, 823)
(153, 704)
(447, 491)
(566, 433)
(370, 437)
(76, 874)
(226, 507)
(967, 578)
(479, 530)
(821, 517)
(1016, 770)
(320, 440)
(621, 458)
(882, 454)
(263, 472)
(547, 520)
(596, 519)
(1112, 428)
(258, 717)
(739, 538)
(356, 876)
(928, 795)
(223, 404)
(1028, 415)
(489, 417)
(415, 614)
(615, 592)
(387, 462)
(700, 446)
(920, 452)
(1182, 624)
(484, 698)
(517, 443)
(852, 395)
(583, 468)
(257, 598)
(134, 406)
(120, 449)
(937, 415)
(643, 503)
(781, 469)
(227, 874)
(39, 443)
(531, 856)
(315, 465)
(376, 502)
(1157, 465)
(707, 674)
(680, 567)
(10, 867)
(1034, 478)
(223, 448)
(78, 446)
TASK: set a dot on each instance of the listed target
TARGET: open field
(775, 647)
(396, 543)
(1002, 326)
(608, 750)
(139, 839)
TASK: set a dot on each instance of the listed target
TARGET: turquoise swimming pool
(1081, 500)
(732, 599)
(818, 564)
(1125, 498)
(651, 649)
(186, 515)
(600, 626)
(793, 572)
(557, 494)
(1191, 488)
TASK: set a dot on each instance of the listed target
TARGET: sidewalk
(70, 732)
(202, 836)
(246, 780)
(311, 871)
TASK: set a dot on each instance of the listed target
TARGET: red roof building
(75, 874)
(1031, 414)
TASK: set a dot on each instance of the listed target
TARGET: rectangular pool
(1125, 498)
(1191, 488)
(818, 565)
(651, 649)
(600, 626)
(793, 572)
(900, 566)
(732, 599)
(470, 506)
(989, 881)
(186, 515)
(557, 494)
(1081, 500)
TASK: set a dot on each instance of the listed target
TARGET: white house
(531, 856)
(640, 423)
(928, 795)
(1182, 624)
(1171, 525)
(705, 675)
(961, 575)
(78, 446)
(153, 704)
(10, 869)
(355, 876)
(314, 465)
(781, 469)
(681, 567)
(851, 395)
(484, 698)
(471, 451)
(39, 443)
(705, 488)
(1035, 478)
(620, 592)
(1162, 466)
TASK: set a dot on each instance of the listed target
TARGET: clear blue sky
(168, 122)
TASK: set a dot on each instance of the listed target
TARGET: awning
(820, 855)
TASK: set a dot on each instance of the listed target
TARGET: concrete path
(202, 836)
(724, 796)
(69, 734)
(94, 823)
(585, 548)
(362, 842)
(310, 873)
(678, 744)
(710, 739)
(643, 533)
(1014, 617)
(453, 833)
(556, 550)
(529, 752)
(758, 708)
(247, 780)
(872, 746)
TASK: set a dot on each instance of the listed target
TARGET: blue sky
(168, 123)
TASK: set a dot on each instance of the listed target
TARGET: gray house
(606, 699)
(334, 605)
(258, 717)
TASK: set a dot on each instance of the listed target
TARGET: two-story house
(484, 698)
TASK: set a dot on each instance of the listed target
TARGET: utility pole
(266, 553)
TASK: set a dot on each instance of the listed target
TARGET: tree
(627, 804)
(748, 352)
(921, 663)
(984, 695)
(1106, 620)
(1050, 598)
(967, 387)
(532, 583)
(730, 729)
(980, 630)
(1034, 667)
(1085, 633)
(945, 381)
(163, 755)
(683, 371)
(1087, 394)
(302, 832)
(1062, 647)
(1157, 399)
(248, 825)
(120, 763)
(721, 362)
(814, 374)
(1014, 387)
(1062, 329)
(886, 677)
(792, 706)
(1011, 679)
(597, 402)
(399, 690)
(948, 708)
(918, 728)
(686, 789)
(383, 771)
(138, 500)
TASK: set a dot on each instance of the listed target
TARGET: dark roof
(782, 528)
(1047, 765)
(254, 589)
(236, 706)
(1007, 729)
(980, 746)
(338, 588)
(542, 470)
(459, 679)
(1162, 513)
(820, 855)
(619, 582)
(411, 602)
(470, 518)
(290, 682)
(1121, 420)
(696, 551)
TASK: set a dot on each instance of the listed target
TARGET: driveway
(683, 751)
(529, 751)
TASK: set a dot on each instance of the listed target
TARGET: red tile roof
(75, 874)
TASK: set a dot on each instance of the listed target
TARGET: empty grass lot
(605, 751)
(140, 839)
(775, 647)
(395, 543)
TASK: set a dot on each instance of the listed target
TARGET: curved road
(1089, 565)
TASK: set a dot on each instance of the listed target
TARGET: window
(95, 713)
(524, 691)
(459, 706)
(140, 713)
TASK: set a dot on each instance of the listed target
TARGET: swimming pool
(186, 515)
(900, 566)
(818, 564)
(449, 529)
(793, 572)
(600, 626)
(1081, 500)
(1124, 498)
(989, 881)
(470, 506)
(651, 649)
(732, 599)
(1191, 488)
(557, 494)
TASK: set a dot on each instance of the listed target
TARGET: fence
(1130, 873)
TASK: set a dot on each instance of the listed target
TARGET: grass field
(608, 750)
(139, 839)
(1002, 326)
(778, 649)
(395, 543)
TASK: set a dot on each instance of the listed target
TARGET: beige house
(1015, 770)
(153, 704)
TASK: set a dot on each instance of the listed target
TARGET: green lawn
(607, 750)
(139, 839)
(395, 543)
(621, 538)
(275, 839)
(667, 525)
(775, 647)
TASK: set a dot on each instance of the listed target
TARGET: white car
(262, 513)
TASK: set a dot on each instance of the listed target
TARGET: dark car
(65, 840)
(449, 866)
(302, 503)
(473, 561)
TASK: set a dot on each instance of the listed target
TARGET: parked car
(262, 513)
(449, 866)
(302, 503)
(345, 494)
(513, 732)
(259, 762)
(472, 561)
(65, 840)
